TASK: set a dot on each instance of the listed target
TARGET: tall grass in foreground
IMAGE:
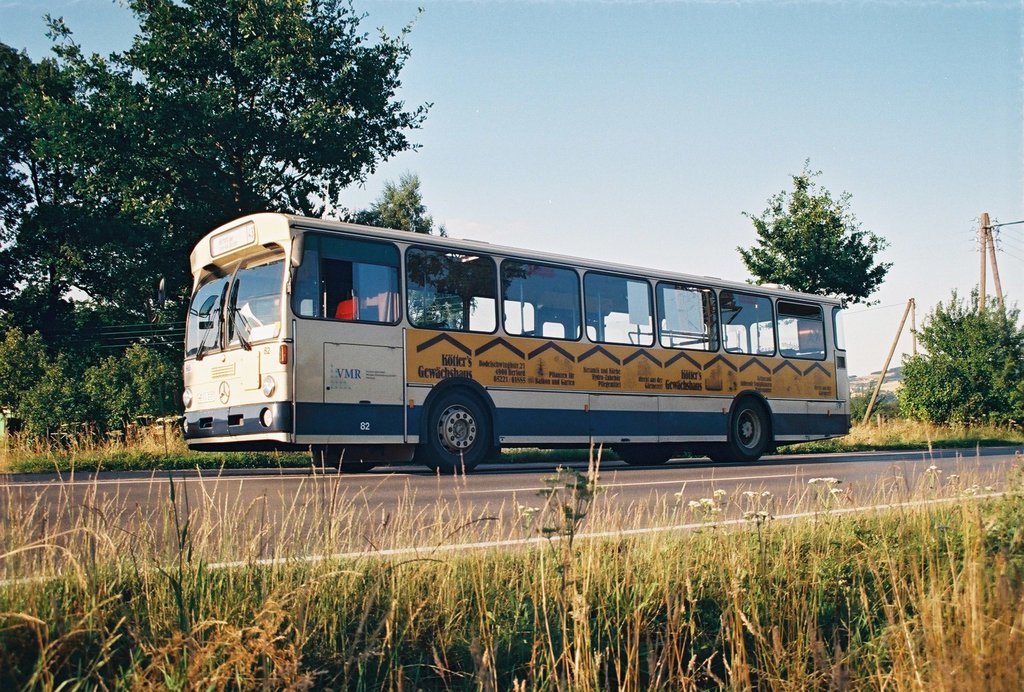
(924, 596)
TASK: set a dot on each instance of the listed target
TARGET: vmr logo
(348, 373)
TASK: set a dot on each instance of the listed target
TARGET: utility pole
(885, 368)
(983, 240)
(995, 266)
(913, 325)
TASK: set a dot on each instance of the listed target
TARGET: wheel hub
(456, 429)
(748, 429)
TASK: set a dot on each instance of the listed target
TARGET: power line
(1008, 223)
(875, 307)
(1012, 242)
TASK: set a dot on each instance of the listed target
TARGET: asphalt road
(292, 514)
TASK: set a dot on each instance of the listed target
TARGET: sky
(641, 131)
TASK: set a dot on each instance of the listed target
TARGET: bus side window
(801, 331)
(748, 323)
(353, 280)
(449, 290)
(336, 278)
(689, 317)
(618, 309)
(540, 300)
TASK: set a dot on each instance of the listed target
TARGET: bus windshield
(203, 334)
(254, 303)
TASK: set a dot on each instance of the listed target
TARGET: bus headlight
(269, 386)
(266, 418)
(186, 397)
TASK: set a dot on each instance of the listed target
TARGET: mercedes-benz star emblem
(225, 392)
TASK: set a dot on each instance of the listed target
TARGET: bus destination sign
(232, 239)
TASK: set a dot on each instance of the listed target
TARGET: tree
(811, 242)
(218, 109)
(401, 207)
(14, 139)
(41, 221)
(974, 368)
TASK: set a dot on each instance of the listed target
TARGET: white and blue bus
(368, 345)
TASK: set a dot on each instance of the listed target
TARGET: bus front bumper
(271, 420)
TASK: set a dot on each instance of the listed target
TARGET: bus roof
(275, 227)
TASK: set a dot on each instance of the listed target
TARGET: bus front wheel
(749, 434)
(458, 434)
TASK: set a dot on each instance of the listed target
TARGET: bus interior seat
(347, 310)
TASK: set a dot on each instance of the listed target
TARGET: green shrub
(142, 382)
(67, 393)
(57, 401)
(22, 362)
(974, 368)
(886, 406)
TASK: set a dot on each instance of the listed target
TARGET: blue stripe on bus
(542, 422)
(349, 419)
(676, 423)
(384, 419)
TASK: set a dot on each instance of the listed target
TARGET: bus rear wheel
(458, 434)
(646, 454)
(749, 434)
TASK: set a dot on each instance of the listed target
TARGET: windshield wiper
(202, 344)
(235, 314)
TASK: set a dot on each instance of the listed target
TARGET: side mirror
(207, 308)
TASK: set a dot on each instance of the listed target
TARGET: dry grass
(903, 433)
(162, 447)
(159, 446)
(930, 596)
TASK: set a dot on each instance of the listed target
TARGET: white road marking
(621, 533)
(59, 482)
(675, 481)
(426, 550)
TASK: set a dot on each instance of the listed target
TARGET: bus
(369, 346)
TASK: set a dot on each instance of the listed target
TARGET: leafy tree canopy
(400, 206)
(121, 163)
(44, 237)
(809, 241)
(974, 368)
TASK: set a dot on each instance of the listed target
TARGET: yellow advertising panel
(498, 361)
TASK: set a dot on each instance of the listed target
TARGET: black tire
(749, 435)
(458, 434)
(645, 454)
(332, 456)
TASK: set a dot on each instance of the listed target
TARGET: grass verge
(929, 595)
(157, 449)
(900, 434)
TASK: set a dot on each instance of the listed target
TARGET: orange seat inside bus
(347, 310)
